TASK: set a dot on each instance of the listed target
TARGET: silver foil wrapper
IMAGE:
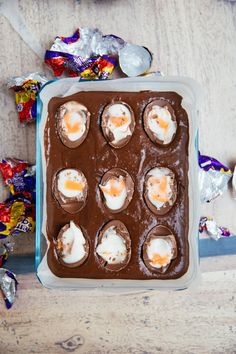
(212, 184)
(134, 60)
(8, 285)
(20, 80)
(213, 230)
(91, 42)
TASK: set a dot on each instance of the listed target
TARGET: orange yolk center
(162, 123)
(119, 121)
(157, 259)
(71, 128)
(115, 188)
(160, 189)
(75, 186)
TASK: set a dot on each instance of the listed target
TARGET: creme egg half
(114, 246)
(159, 252)
(159, 248)
(117, 189)
(72, 246)
(160, 123)
(118, 124)
(71, 183)
(73, 121)
(70, 188)
(160, 189)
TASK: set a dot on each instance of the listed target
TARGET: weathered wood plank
(200, 320)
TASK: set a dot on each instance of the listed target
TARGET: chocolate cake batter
(94, 157)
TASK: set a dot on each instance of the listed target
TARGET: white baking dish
(191, 94)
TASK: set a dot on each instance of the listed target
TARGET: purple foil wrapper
(8, 286)
(207, 163)
(213, 178)
(90, 54)
(87, 43)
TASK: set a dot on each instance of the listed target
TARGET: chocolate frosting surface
(94, 157)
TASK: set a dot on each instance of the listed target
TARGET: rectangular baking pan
(191, 94)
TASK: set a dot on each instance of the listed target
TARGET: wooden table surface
(190, 38)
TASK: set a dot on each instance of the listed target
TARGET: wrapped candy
(87, 42)
(19, 176)
(26, 89)
(213, 178)
(17, 214)
(209, 226)
(87, 53)
(91, 55)
(8, 286)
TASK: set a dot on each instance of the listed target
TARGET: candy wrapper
(17, 213)
(134, 60)
(8, 286)
(91, 55)
(87, 53)
(213, 178)
(209, 226)
(26, 89)
(19, 176)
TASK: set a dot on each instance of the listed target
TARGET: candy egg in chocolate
(159, 249)
(118, 123)
(160, 190)
(114, 246)
(70, 189)
(160, 122)
(117, 188)
(72, 245)
(73, 121)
